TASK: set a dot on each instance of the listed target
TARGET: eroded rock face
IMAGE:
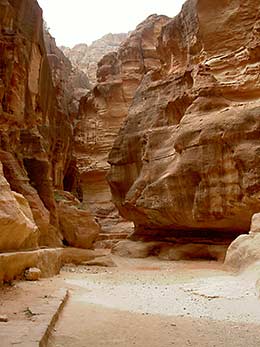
(28, 126)
(85, 58)
(77, 224)
(186, 162)
(245, 249)
(103, 111)
(70, 83)
(36, 129)
(18, 229)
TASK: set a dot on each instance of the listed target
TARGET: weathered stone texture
(245, 249)
(85, 58)
(28, 113)
(77, 224)
(14, 264)
(186, 161)
(103, 111)
(69, 82)
(18, 229)
(36, 128)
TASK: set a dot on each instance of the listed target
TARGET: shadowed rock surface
(30, 127)
(36, 111)
(70, 83)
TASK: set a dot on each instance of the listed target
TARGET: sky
(83, 21)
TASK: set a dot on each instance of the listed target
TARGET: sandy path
(157, 304)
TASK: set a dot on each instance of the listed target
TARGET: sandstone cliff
(103, 111)
(85, 58)
(186, 161)
(27, 106)
(185, 93)
(35, 130)
(70, 83)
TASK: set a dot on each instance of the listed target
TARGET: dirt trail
(158, 304)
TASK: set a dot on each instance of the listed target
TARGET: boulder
(77, 225)
(255, 223)
(17, 227)
(243, 251)
(32, 274)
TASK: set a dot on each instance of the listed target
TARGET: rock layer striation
(36, 129)
(103, 111)
(85, 58)
(186, 161)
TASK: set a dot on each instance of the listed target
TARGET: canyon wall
(70, 82)
(186, 161)
(178, 107)
(85, 58)
(35, 133)
(102, 113)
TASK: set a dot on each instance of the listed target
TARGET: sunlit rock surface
(245, 249)
(186, 161)
(85, 58)
(18, 229)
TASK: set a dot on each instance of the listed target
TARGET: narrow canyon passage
(126, 160)
(158, 303)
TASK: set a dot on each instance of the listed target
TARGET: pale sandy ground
(29, 307)
(158, 304)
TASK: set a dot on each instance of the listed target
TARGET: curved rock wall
(18, 229)
(36, 128)
(103, 111)
(186, 162)
(28, 112)
(185, 93)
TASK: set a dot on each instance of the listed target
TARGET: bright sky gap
(83, 21)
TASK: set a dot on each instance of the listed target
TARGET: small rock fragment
(3, 318)
(32, 274)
